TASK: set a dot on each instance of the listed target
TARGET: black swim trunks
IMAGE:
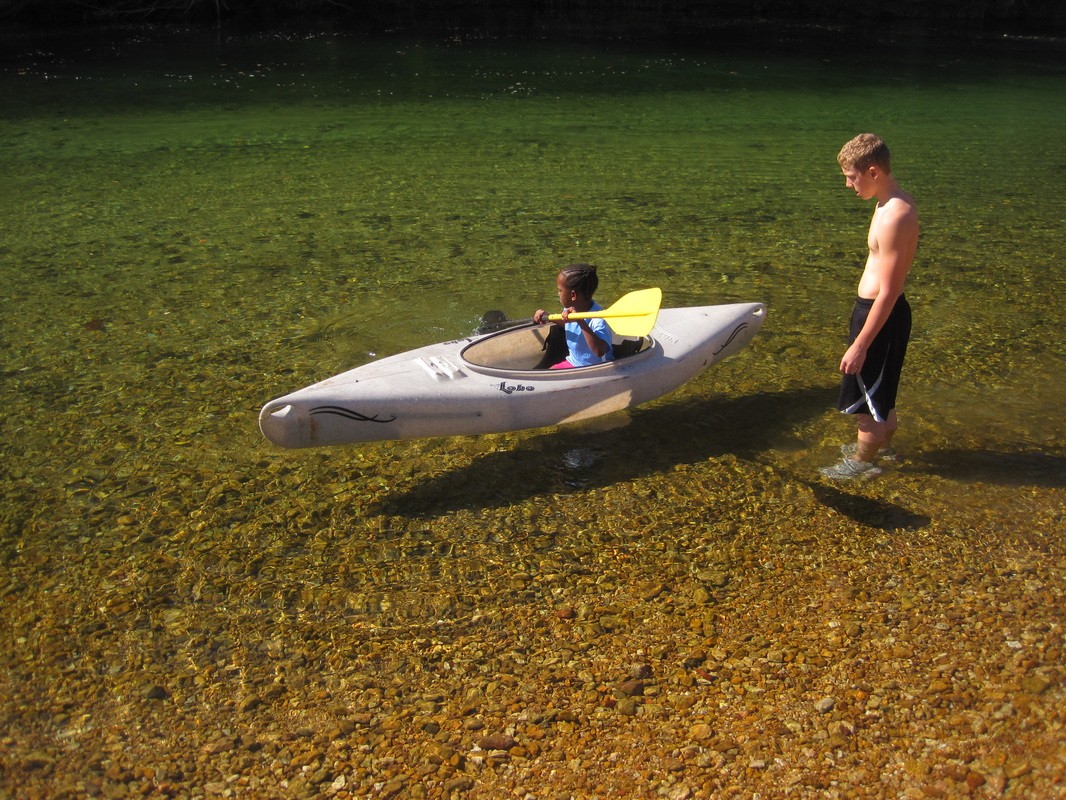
(873, 392)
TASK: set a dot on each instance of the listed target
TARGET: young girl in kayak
(588, 341)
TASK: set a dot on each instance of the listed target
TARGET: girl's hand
(540, 317)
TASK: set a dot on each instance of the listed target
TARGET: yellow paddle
(633, 314)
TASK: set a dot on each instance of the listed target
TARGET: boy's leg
(891, 423)
(873, 435)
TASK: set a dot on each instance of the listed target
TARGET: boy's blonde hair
(864, 151)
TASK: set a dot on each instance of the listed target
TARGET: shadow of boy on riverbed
(868, 511)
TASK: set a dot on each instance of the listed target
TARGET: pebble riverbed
(726, 627)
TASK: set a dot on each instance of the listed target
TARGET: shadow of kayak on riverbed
(657, 439)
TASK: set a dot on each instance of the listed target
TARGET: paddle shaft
(605, 314)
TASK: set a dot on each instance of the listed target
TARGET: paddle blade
(633, 314)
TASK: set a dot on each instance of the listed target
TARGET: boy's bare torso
(893, 241)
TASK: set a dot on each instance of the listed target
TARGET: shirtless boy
(881, 321)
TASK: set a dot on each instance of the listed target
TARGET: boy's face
(861, 181)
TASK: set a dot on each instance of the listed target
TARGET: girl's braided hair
(581, 278)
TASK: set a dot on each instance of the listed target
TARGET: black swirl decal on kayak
(355, 416)
(732, 336)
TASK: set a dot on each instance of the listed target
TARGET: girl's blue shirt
(580, 353)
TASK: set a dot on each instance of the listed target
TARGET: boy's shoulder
(899, 208)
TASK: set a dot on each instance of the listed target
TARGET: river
(195, 222)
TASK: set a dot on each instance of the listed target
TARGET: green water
(194, 224)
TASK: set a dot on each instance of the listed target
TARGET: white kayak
(490, 384)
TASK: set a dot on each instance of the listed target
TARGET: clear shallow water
(190, 227)
(193, 225)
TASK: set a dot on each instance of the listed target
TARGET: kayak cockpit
(536, 347)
